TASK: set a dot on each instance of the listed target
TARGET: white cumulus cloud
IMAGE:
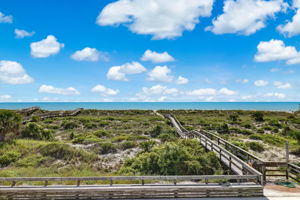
(261, 83)
(245, 16)
(5, 18)
(157, 57)
(160, 18)
(104, 91)
(281, 85)
(53, 90)
(12, 72)
(89, 54)
(46, 47)
(182, 80)
(160, 74)
(276, 95)
(202, 92)
(22, 33)
(292, 28)
(276, 50)
(118, 73)
(226, 91)
(5, 97)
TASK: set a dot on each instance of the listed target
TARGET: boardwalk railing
(145, 189)
(55, 114)
(115, 180)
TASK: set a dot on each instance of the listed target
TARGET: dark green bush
(223, 129)
(242, 145)
(107, 147)
(35, 119)
(34, 131)
(90, 125)
(9, 157)
(10, 123)
(166, 137)
(156, 131)
(58, 151)
(69, 125)
(128, 145)
(258, 116)
(255, 137)
(147, 145)
(234, 117)
(184, 157)
(256, 146)
(101, 133)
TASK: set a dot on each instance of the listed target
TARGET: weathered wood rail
(28, 111)
(287, 170)
(148, 187)
(55, 114)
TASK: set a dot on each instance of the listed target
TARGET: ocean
(272, 106)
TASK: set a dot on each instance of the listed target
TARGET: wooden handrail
(131, 178)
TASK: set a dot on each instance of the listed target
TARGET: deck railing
(113, 180)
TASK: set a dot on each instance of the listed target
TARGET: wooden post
(46, 183)
(13, 183)
(78, 183)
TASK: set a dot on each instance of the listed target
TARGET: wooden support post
(220, 152)
(206, 181)
(175, 182)
(230, 162)
(110, 182)
(78, 183)
(143, 182)
(46, 183)
(13, 183)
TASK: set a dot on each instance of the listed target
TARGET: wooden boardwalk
(238, 160)
(234, 163)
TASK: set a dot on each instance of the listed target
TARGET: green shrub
(156, 131)
(258, 116)
(234, 117)
(184, 157)
(128, 145)
(90, 125)
(58, 151)
(9, 157)
(10, 123)
(256, 146)
(101, 133)
(69, 125)
(147, 145)
(107, 147)
(242, 145)
(261, 131)
(166, 137)
(223, 129)
(34, 131)
(66, 152)
(35, 119)
(255, 137)
(31, 161)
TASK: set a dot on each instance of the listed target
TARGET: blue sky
(149, 50)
